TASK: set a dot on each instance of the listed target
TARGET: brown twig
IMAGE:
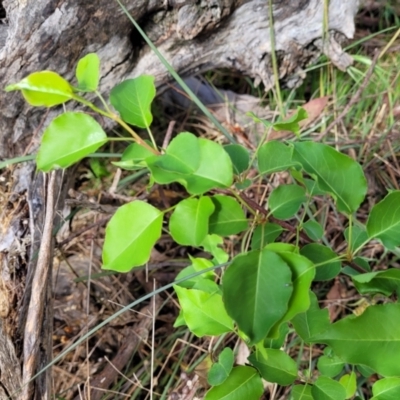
(34, 320)
(168, 135)
(354, 99)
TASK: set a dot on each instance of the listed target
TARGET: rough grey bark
(193, 35)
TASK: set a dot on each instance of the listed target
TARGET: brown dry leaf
(314, 109)
(334, 294)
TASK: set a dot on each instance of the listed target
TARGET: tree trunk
(194, 36)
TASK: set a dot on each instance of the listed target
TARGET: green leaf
(204, 312)
(130, 235)
(256, 289)
(301, 392)
(133, 157)
(198, 164)
(88, 72)
(358, 237)
(215, 170)
(313, 229)
(69, 138)
(99, 168)
(372, 339)
(220, 371)
(211, 244)
(386, 389)
(327, 389)
(312, 322)
(330, 365)
(44, 88)
(279, 341)
(386, 282)
(292, 123)
(188, 224)
(303, 272)
(264, 234)
(336, 173)
(239, 156)
(198, 264)
(349, 382)
(274, 156)
(277, 367)
(384, 221)
(242, 383)
(285, 201)
(132, 98)
(326, 261)
(365, 371)
(228, 217)
(181, 159)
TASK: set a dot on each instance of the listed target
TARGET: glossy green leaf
(386, 389)
(314, 321)
(326, 388)
(326, 261)
(291, 124)
(359, 237)
(239, 156)
(274, 156)
(198, 264)
(242, 383)
(311, 186)
(133, 157)
(88, 72)
(44, 88)
(386, 282)
(204, 312)
(228, 217)
(188, 224)
(371, 339)
(132, 98)
(336, 173)
(181, 159)
(257, 288)
(264, 234)
(215, 170)
(69, 138)
(130, 235)
(198, 164)
(301, 392)
(220, 371)
(330, 365)
(278, 341)
(285, 201)
(212, 244)
(313, 230)
(349, 382)
(303, 272)
(365, 371)
(384, 221)
(276, 366)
